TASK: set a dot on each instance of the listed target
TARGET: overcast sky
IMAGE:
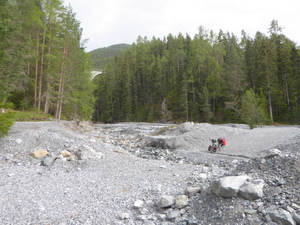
(109, 22)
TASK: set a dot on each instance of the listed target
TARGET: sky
(109, 22)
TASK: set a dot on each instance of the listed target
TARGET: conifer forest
(214, 77)
(211, 77)
(43, 64)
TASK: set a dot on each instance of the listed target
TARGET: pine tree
(252, 113)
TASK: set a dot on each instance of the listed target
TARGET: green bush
(6, 121)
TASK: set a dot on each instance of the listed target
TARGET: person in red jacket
(221, 142)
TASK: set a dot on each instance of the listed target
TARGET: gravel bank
(97, 191)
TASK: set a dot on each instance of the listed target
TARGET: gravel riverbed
(103, 191)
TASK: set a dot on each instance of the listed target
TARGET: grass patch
(30, 116)
(162, 130)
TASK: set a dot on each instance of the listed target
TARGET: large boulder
(228, 187)
(251, 191)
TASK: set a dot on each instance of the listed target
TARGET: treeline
(101, 56)
(208, 78)
(43, 65)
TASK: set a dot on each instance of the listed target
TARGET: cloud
(108, 22)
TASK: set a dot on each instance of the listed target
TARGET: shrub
(6, 121)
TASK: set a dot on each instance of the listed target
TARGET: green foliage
(43, 65)
(30, 116)
(202, 79)
(252, 112)
(6, 118)
(101, 56)
(6, 121)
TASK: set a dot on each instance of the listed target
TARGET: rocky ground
(140, 173)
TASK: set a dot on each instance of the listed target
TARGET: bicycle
(216, 145)
(213, 148)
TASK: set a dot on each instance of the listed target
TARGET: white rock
(138, 204)
(274, 152)
(86, 152)
(18, 141)
(125, 216)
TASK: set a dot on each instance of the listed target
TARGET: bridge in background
(96, 73)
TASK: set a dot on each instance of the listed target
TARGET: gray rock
(86, 152)
(228, 187)
(186, 127)
(280, 216)
(166, 142)
(167, 201)
(48, 160)
(161, 217)
(250, 211)
(296, 217)
(193, 220)
(191, 191)
(273, 153)
(251, 191)
(144, 217)
(181, 201)
(173, 214)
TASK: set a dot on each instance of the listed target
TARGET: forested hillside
(43, 65)
(212, 77)
(101, 56)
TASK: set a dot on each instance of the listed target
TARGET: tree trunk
(36, 72)
(41, 71)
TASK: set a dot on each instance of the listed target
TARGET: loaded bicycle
(216, 145)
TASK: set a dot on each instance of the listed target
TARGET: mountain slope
(102, 56)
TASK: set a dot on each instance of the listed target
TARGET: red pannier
(222, 141)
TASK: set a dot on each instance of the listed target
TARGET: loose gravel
(103, 191)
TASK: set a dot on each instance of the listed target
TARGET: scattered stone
(181, 201)
(145, 217)
(192, 220)
(39, 153)
(167, 201)
(280, 216)
(173, 214)
(250, 211)
(165, 142)
(161, 217)
(273, 153)
(125, 216)
(191, 191)
(138, 204)
(48, 160)
(86, 152)
(71, 158)
(65, 153)
(19, 141)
